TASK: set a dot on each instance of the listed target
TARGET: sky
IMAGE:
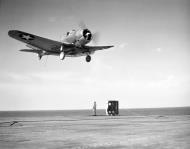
(148, 67)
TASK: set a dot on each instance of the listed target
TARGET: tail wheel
(62, 56)
(88, 58)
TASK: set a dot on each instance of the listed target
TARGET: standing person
(94, 108)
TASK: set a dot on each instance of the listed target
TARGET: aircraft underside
(62, 55)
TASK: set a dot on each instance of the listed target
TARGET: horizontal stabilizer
(31, 50)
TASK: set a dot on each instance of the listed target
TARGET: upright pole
(94, 108)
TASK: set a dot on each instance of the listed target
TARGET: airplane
(74, 44)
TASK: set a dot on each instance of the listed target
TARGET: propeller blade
(82, 25)
(95, 37)
(62, 37)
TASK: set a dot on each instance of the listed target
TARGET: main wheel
(88, 58)
(62, 56)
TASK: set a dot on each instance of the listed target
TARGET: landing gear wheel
(62, 56)
(88, 58)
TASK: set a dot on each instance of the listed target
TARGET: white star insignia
(26, 37)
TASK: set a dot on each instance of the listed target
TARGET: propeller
(82, 25)
(62, 37)
(95, 35)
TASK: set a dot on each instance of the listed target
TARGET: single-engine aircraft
(74, 44)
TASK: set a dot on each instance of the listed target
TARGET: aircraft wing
(95, 48)
(37, 41)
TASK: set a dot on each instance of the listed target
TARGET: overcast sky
(148, 67)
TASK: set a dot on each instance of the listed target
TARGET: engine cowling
(87, 34)
(79, 37)
(83, 37)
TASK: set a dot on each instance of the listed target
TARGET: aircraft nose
(87, 34)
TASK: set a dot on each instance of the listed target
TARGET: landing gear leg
(39, 56)
(62, 53)
(88, 58)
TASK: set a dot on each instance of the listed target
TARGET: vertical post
(94, 108)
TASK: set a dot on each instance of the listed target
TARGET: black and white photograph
(94, 74)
